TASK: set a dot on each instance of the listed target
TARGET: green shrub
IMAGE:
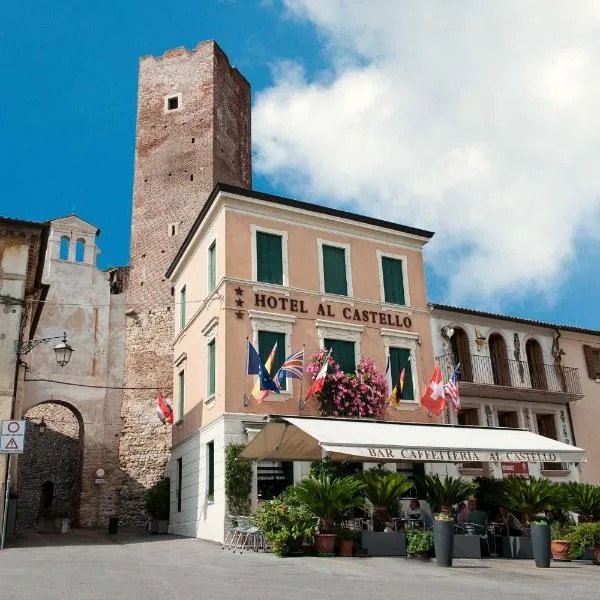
(158, 499)
(418, 541)
(532, 496)
(584, 499)
(582, 537)
(238, 480)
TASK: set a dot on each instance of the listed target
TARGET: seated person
(416, 511)
(463, 514)
(512, 525)
(476, 516)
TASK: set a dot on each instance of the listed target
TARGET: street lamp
(62, 350)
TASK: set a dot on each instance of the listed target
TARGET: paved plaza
(92, 566)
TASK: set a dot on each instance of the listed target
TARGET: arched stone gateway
(50, 471)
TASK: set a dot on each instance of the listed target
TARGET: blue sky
(68, 133)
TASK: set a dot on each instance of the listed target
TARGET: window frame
(404, 259)
(180, 394)
(254, 229)
(404, 340)
(391, 381)
(212, 266)
(210, 470)
(347, 332)
(334, 339)
(178, 490)
(212, 343)
(348, 264)
(182, 307)
(168, 97)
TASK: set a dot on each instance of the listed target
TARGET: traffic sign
(12, 437)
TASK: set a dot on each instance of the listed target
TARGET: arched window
(462, 354)
(79, 250)
(64, 248)
(535, 363)
(499, 359)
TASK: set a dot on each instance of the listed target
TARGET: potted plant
(329, 499)
(346, 542)
(419, 544)
(584, 499)
(582, 537)
(285, 526)
(541, 543)
(158, 505)
(560, 546)
(443, 539)
(443, 493)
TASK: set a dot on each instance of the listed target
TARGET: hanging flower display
(363, 393)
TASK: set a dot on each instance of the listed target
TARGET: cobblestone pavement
(92, 566)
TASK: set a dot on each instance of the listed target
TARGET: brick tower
(193, 130)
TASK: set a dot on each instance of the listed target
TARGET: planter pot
(346, 547)
(560, 550)
(159, 526)
(443, 541)
(596, 554)
(381, 543)
(324, 543)
(517, 547)
(467, 546)
(540, 541)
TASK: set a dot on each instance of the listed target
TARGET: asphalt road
(93, 567)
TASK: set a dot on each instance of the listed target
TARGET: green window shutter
(182, 308)
(400, 359)
(343, 353)
(212, 266)
(212, 366)
(266, 341)
(181, 396)
(269, 258)
(210, 468)
(334, 270)
(393, 282)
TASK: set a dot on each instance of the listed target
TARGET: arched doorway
(462, 354)
(499, 359)
(535, 363)
(49, 471)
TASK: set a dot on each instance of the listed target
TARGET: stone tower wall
(180, 156)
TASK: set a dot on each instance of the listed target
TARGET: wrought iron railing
(476, 368)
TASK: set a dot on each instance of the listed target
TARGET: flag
(319, 382)
(254, 361)
(434, 399)
(387, 365)
(163, 410)
(451, 389)
(264, 382)
(292, 367)
(398, 391)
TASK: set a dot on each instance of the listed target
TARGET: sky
(477, 120)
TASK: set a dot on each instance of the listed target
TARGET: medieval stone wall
(180, 155)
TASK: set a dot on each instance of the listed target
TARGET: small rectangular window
(212, 367)
(334, 270)
(212, 266)
(269, 258)
(393, 280)
(182, 308)
(179, 482)
(400, 359)
(343, 353)
(210, 469)
(266, 343)
(173, 103)
(181, 396)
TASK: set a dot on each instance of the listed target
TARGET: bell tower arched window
(64, 248)
(79, 250)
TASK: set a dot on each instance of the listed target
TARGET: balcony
(486, 377)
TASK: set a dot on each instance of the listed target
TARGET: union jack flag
(292, 367)
(451, 389)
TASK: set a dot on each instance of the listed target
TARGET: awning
(307, 438)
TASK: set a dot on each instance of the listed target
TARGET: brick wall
(180, 156)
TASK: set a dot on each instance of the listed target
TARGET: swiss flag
(434, 398)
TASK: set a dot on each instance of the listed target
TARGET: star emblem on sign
(239, 291)
(239, 314)
(239, 302)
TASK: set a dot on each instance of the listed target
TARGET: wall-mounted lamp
(62, 350)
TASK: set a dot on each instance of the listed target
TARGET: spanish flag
(398, 391)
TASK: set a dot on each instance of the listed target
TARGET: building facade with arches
(74, 417)
(512, 373)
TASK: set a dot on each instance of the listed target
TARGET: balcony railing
(517, 374)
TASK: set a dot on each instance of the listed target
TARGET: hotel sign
(325, 309)
(515, 468)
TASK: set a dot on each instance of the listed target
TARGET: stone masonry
(180, 155)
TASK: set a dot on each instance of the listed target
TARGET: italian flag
(319, 381)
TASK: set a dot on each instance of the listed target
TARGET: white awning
(308, 438)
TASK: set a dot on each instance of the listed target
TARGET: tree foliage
(443, 493)
(238, 480)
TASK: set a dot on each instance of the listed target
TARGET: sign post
(12, 441)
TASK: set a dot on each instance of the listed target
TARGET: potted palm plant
(158, 505)
(560, 546)
(330, 500)
(584, 499)
(531, 497)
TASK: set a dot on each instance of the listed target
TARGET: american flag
(451, 389)
(292, 367)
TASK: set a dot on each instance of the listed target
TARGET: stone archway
(50, 470)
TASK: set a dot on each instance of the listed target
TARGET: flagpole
(245, 398)
(301, 402)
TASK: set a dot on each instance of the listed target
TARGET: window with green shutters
(393, 280)
(182, 308)
(266, 341)
(343, 353)
(181, 396)
(212, 266)
(210, 470)
(400, 359)
(269, 258)
(212, 367)
(334, 270)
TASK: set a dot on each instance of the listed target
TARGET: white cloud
(479, 120)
